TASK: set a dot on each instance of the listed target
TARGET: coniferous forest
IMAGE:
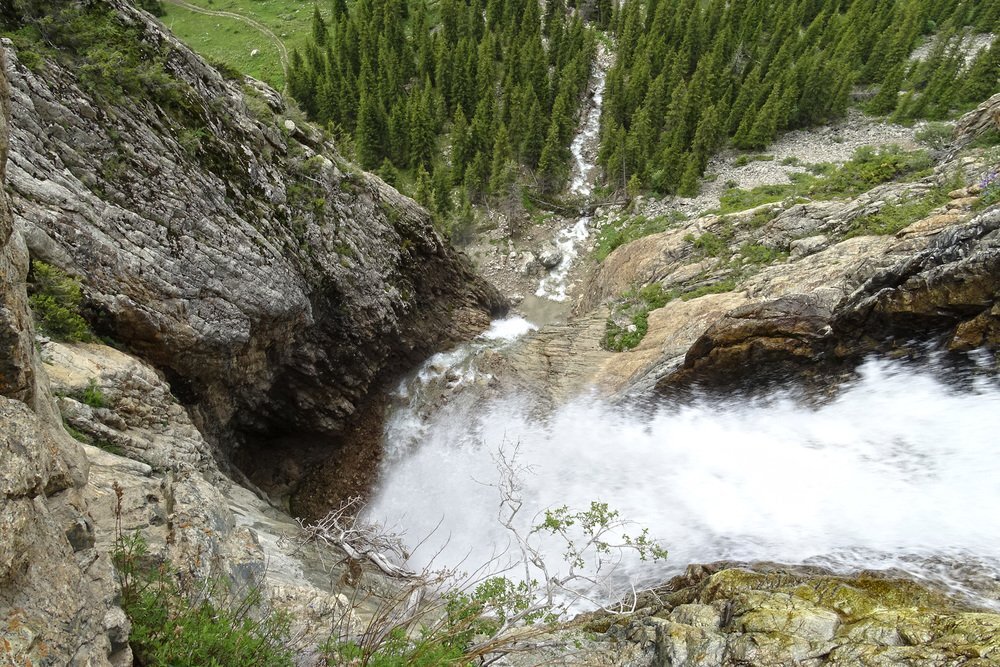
(481, 98)
(692, 75)
(466, 94)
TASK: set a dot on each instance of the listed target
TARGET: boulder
(549, 256)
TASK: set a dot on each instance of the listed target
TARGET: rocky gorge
(261, 296)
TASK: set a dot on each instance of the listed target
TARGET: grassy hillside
(231, 41)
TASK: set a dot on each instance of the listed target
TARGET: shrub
(989, 190)
(935, 135)
(93, 396)
(894, 217)
(738, 199)
(715, 288)
(177, 624)
(708, 244)
(870, 167)
(55, 301)
(618, 338)
(759, 255)
(634, 308)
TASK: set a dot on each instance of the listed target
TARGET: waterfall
(899, 470)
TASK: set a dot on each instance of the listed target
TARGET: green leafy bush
(935, 135)
(759, 255)
(708, 244)
(176, 624)
(894, 217)
(55, 301)
(870, 167)
(738, 199)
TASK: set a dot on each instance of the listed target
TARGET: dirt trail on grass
(282, 51)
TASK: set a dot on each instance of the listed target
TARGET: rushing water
(899, 470)
(554, 285)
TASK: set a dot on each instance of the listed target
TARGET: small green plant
(738, 199)
(989, 188)
(708, 244)
(746, 159)
(55, 300)
(616, 234)
(759, 255)
(618, 338)
(935, 135)
(181, 623)
(720, 287)
(630, 321)
(894, 217)
(93, 396)
(987, 139)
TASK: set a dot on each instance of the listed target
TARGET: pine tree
(318, 28)
(688, 186)
(887, 98)
(551, 164)
(502, 173)
(425, 192)
(368, 136)
(981, 81)
(476, 177)
(461, 146)
(441, 188)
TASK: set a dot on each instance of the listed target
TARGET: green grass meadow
(230, 41)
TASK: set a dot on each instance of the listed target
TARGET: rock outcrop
(273, 283)
(56, 588)
(979, 121)
(800, 290)
(722, 614)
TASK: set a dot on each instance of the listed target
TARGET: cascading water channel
(899, 470)
(584, 150)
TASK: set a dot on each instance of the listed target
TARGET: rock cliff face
(229, 245)
(56, 589)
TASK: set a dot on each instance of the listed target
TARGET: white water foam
(586, 141)
(584, 147)
(554, 285)
(443, 374)
(900, 470)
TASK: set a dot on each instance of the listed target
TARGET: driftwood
(359, 539)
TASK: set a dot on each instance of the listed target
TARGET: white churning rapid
(900, 470)
(584, 150)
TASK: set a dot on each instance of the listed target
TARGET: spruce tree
(368, 137)
(319, 32)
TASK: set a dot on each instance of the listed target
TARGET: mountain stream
(899, 470)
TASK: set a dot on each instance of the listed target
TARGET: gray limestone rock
(275, 285)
